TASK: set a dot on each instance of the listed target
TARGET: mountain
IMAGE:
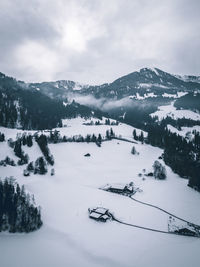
(58, 89)
(31, 109)
(189, 78)
(141, 82)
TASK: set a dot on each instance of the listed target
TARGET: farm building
(99, 214)
(127, 189)
(187, 231)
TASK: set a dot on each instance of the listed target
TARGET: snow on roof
(101, 210)
(95, 215)
(105, 216)
(118, 186)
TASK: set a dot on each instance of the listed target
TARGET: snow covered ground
(69, 238)
(171, 111)
(77, 126)
(185, 131)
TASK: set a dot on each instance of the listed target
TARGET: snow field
(70, 238)
(171, 111)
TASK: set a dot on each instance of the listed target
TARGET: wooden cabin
(99, 214)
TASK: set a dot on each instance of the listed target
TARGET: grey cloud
(96, 41)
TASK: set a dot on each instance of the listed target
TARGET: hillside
(30, 109)
(70, 236)
(145, 80)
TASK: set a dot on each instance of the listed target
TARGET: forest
(18, 212)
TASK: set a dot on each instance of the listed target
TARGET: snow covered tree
(30, 167)
(133, 151)
(52, 171)
(29, 140)
(141, 137)
(40, 166)
(2, 137)
(159, 170)
(18, 212)
(18, 148)
(43, 144)
(94, 138)
(107, 134)
(99, 139)
(135, 135)
(88, 138)
(111, 132)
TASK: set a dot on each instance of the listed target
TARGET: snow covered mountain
(58, 89)
(146, 80)
(148, 124)
(24, 107)
(189, 78)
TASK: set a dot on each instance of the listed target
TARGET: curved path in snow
(151, 229)
(156, 207)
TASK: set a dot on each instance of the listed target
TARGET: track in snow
(156, 207)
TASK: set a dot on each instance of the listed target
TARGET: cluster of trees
(182, 155)
(107, 122)
(159, 171)
(178, 123)
(139, 137)
(18, 212)
(40, 166)
(7, 161)
(27, 108)
(37, 167)
(27, 140)
(109, 134)
(190, 101)
(23, 158)
(55, 137)
(43, 144)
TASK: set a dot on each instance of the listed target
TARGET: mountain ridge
(146, 79)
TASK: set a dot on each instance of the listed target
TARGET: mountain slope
(30, 109)
(146, 80)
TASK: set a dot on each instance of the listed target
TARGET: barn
(99, 214)
(127, 189)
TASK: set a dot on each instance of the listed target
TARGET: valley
(78, 139)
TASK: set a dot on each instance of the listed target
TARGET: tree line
(182, 155)
(18, 212)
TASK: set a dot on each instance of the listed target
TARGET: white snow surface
(69, 238)
(139, 97)
(177, 95)
(171, 111)
(185, 131)
(76, 126)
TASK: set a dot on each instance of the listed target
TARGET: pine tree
(99, 139)
(159, 170)
(40, 166)
(17, 212)
(111, 132)
(133, 151)
(18, 148)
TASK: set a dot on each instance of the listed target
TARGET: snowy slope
(77, 126)
(185, 131)
(171, 111)
(70, 238)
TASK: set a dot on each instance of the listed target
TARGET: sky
(97, 41)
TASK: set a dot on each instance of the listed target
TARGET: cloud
(102, 103)
(96, 41)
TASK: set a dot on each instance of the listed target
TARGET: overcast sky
(97, 41)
